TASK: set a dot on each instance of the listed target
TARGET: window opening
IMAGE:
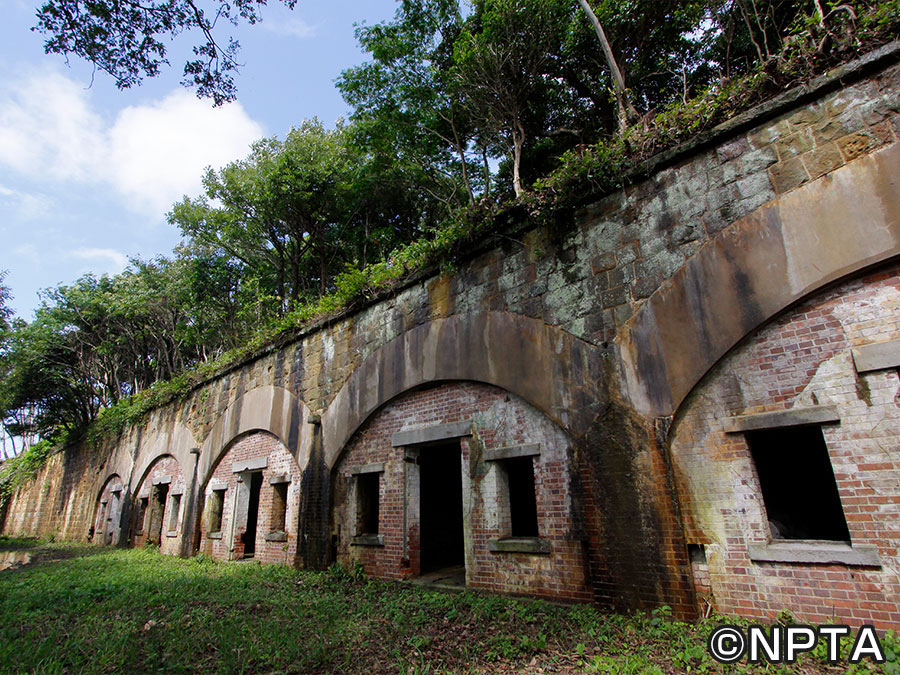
(279, 506)
(216, 505)
(797, 483)
(174, 510)
(367, 498)
(141, 515)
(522, 497)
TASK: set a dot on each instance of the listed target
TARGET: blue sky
(88, 172)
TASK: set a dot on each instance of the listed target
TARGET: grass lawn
(73, 609)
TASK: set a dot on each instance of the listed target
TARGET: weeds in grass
(93, 610)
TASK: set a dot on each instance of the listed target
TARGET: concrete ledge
(368, 540)
(213, 535)
(822, 414)
(279, 535)
(215, 485)
(375, 467)
(519, 545)
(512, 451)
(162, 480)
(439, 432)
(816, 553)
(283, 478)
(172, 533)
(877, 356)
(250, 464)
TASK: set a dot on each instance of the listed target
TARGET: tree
(501, 61)
(405, 101)
(124, 37)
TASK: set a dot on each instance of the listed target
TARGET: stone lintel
(877, 356)
(283, 478)
(512, 451)
(279, 535)
(367, 540)
(439, 432)
(116, 488)
(519, 545)
(374, 467)
(172, 533)
(250, 464)
(822, 414)
(811, 552)
(162, 480)
(215, 485)
(177, 492)
(214, 535)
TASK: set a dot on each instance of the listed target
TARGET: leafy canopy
(124, 38)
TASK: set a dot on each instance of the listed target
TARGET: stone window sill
(171, 533)
(277, 536)
(138, 533)
(519, 545)
(368, 540)
(816, 553)
(213, 535)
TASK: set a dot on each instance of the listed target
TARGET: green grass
(85, 609)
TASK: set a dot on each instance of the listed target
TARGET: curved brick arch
(544, 365)
(833, 227)
(271, 409)
(178, 442)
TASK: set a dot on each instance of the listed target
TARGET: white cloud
(158, 152)
(107, 259)
(26, 205)
(293, 26)
(151, 155)
(48, 128)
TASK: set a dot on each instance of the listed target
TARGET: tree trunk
(626, 111)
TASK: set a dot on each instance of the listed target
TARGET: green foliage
(124, 39)
(19, 470)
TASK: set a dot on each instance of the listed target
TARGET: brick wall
(229, 545)
(500, 420)
(801, 360)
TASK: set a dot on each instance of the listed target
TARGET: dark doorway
(157, 511)
(440, 507)
(252, 514)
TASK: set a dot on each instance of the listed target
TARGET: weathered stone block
(759, 160)
(788, 175)
(822, 160)
(793, 145)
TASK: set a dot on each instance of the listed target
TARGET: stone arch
(268, 408)
(549, 368)
(225, 528)
(162, 504)
(827, 230)
(107, 511)
(178, 441)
